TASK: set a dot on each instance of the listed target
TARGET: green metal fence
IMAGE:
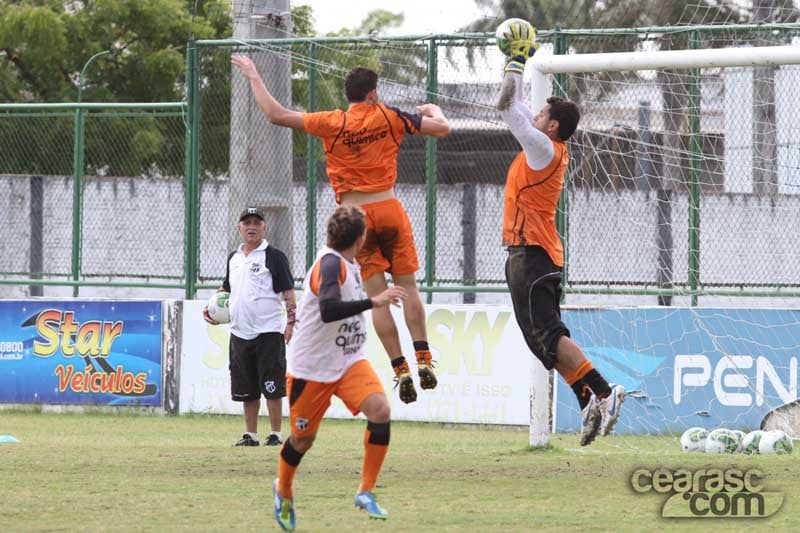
(669, 193)
(62, 169)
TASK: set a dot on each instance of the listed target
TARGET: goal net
(683, 186)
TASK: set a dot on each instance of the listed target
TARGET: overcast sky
(421, 16)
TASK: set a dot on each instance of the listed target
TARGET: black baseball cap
(252, 212)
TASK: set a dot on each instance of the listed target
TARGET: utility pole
(260, 152)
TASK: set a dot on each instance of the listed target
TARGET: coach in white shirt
(258, 277)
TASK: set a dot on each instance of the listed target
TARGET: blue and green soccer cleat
(366, 501)
(284, 509)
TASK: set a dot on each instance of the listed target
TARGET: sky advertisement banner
(80, 352)
(481, 362)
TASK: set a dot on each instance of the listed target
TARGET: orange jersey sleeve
(324, 123)
(315, 284)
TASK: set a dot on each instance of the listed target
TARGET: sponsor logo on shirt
(350, 338)
(354, 139)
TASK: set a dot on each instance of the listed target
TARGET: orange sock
(376, 446)
(423, 356)
(574, 379)
(287, 467)
(577, 374)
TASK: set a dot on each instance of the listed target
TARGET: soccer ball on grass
(723, 441)
(751, 442)
(775, 442)
(694, 440)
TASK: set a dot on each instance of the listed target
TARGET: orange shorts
(308, 400)
(390, 241)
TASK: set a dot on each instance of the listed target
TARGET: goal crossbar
(668, 59)
(544, 65)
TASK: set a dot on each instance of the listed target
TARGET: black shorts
(535, 284)
(258, 367)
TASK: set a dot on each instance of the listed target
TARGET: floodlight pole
(77, 176)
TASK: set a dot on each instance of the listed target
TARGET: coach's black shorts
(535, 284)
(258, 366)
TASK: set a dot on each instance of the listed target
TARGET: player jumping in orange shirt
(361, 147)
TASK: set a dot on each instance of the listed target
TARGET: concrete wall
(135, 229)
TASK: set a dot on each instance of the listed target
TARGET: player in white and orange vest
(327, 358)
(535, 253)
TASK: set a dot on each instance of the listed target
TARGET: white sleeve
(537, 146)
(519, 96)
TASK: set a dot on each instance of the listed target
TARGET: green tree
(44, 44)
(404, 65)
(334, 61)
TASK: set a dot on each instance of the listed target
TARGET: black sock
(582, 392)
(597, 383)
(289, 454)
(421, 346)
(399, 361)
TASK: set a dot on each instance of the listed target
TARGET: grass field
(100, 472)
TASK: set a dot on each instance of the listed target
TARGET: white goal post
(542, 415)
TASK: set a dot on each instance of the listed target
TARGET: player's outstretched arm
(274, 111)
(434, 123)
(537, 146)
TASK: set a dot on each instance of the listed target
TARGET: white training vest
(323, 352)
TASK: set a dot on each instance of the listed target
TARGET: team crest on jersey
(255, 268)
(269, 386)
(301, 424)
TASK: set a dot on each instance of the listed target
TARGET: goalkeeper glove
(520, 36)
(516, 62)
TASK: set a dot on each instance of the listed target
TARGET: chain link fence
(92, 195)
(644, 184)
(698, 167)
(672, 189)
(447, 186)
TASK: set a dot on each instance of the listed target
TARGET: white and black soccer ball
(751, 442)
(218, 307)
(723, 440)
(694, 440)
(775, 442)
